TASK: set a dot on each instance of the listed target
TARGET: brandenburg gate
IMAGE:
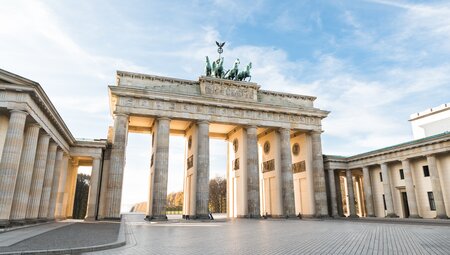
(275, 164)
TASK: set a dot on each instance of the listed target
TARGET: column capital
(348, 170)
(251, 126)
(431, 155)
(96, 157)
(163, 118)
(365, 167)
(202, 122)
(34, 125)
(331, 170)
(18, 111)
(316, 132)
(120, 114)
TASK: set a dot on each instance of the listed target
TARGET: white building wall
(430, 122)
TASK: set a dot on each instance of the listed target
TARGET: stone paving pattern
(282, 237)
(71, 236)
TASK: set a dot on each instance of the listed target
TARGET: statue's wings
(220, 45)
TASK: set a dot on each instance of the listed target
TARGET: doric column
(339, 194)
(37, 180)
(48, 179)
(387, 191)
(117, 164)
(202, 192)
(104, 182)
(9, 163)
(333, 197)
(351, 194)
(320, 193)
(55, 185)
(161, 163)
(410, 191)
(60, 209)
(252, 173)
(287, 178)
(72, 185)
(93, 190)
(436, 187)
(23, 182)
(368, 192)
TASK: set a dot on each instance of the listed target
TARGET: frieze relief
(216, 110)
(228, 90)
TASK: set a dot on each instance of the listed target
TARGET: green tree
(81, 196)
(218, 195)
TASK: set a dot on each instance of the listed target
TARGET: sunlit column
(287, 178)
(333, 197)
(48, 179)
(55, 185)
(60, 206)
(202, 192)
(117, 165)
(436, 187)
(410, 191)
(252, 173)
(387, 191)
(368, 192)
(93, 189)
(72, 183)
(351, 194)
(9, 163)
(320, 194)
(23, 182)
(37, 179)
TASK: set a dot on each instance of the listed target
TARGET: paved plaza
(282, 237)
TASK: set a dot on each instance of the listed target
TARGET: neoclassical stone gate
(275, 164)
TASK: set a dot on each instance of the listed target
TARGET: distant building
(431, 122)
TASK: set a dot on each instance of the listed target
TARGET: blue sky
(371, 63)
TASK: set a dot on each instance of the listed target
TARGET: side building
(40, 157)
(408, 180)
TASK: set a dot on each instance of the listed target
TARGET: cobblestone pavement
(70, 236)
(282, 237)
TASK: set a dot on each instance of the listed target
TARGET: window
(426, 171)
(431, 200)
(402, 175)
(384, 203)
(381, 177)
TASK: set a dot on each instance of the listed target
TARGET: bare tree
(218, 195)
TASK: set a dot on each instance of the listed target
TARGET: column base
(31, 221)
(371, 216)
(353, 216)
(392, 215)
(89, 219)
(200, 217)
(442, 216)
(414, 217)
(41, 220)
(156, 218)
(18, 222)
(249, 216)
(112, 218)
(5, 223)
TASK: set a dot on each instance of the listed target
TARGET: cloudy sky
(371, 63)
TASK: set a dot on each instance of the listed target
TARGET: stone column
(23, 182)
(93, 190)
(55, 185)
(59, 211)
(287, 177)
(436, 187)
(117, 164)
(161, 170)
(410, 191)
(37, 179)
(72, 184)
(9, 164)
(351, 194)
(202, 192)
(320, 193)
(48, 179)
(104, 183)
(333, 197)
(339, 194)
(387, 191)
(252, 173)
(368, 192)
